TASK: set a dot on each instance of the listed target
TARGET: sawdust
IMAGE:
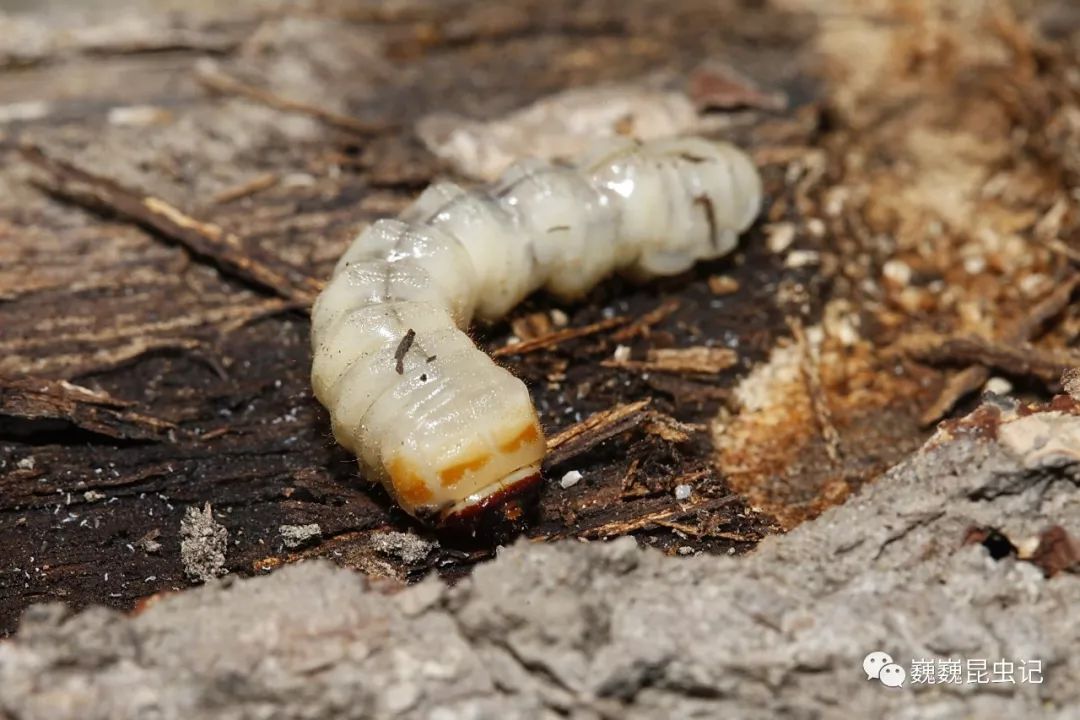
(935, 205)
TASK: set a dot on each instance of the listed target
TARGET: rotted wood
(205, 240)
(164, 230)
(42, 401)
(167, 217)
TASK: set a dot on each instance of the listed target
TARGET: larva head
(473, 470)
(496, 514)
(488, 498)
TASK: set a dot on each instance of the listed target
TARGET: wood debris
(532, 326)
(207, 241)
(593, 430)
(1022, 359)
(672, 511)
(133, 36)
(669, 429)
(257, 184)
(213, 78)
(810, 369)
(557, 337)
(32, 399)
(628, 482)
(723, 285)
(973, 377)
(1053, 550)
(683, 361)
(642, 325)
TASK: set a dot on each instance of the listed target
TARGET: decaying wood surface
(172, 196)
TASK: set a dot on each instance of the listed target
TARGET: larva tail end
(496, 515)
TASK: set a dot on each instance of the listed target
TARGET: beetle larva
(452, 436)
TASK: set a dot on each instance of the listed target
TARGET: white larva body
(428, 414)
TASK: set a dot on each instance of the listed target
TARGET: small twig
(780, 154)
(1047, 231)
(681, 528)
(213, 78)
(1023, 359)
(557, 337)
(735, 537)
(624, 527)
(1026, 328)
(215, 433)
(1030, 325)
(628, 481)
(681, 361)
(641, 325)
(247, 189)
(223, 249)
(107, 40)
(593, 430)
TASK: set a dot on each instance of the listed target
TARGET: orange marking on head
(451, 475)
(531, 433)
(408, 483)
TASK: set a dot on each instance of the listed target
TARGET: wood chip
(97, 412)
(685, 361)
(247, 189)
(593, 430)
(532, 326)
(723, 285)
(668, 428)
(628, 482)
(973, 377)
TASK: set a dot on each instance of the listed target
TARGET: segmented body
(445, 429)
